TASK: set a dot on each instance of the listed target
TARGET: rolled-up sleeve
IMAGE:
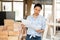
(43, 24)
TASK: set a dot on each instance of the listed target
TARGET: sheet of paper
(27, 23)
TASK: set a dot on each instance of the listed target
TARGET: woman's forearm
(40, 31)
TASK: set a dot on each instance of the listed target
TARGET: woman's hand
(40, 31)
(22, 25)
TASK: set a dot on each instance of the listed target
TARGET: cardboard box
(10, 28)
(3, 33)
(17, 26)
(1, 28)
(4, 28)
(4, 39)
(13, 38)
(9, 24)
(13, 33)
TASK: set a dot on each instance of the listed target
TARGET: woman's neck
(35, 15)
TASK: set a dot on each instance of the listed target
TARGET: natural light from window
(57, 11)
(48, 11)
(18, 8)
(6, 6)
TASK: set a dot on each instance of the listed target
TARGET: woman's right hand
(22, 25)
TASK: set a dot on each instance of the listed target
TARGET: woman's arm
(40, 31)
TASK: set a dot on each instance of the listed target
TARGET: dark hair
(39, 5)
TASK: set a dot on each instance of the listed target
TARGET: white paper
(27, 23)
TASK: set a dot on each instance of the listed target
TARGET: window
(48, 11)
(57, 0)
(18, 8)
(57, 10)
(6, 6)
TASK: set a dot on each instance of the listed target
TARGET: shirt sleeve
(43, 24)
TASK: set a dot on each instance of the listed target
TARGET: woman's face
(37, 10)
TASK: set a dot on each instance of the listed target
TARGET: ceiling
(47, 2)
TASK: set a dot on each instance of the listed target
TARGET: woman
(38, 23)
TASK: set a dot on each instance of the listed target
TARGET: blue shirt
(38, 23)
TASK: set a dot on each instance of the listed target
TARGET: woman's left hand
(40, 31)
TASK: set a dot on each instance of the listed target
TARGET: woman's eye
(35, 9)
